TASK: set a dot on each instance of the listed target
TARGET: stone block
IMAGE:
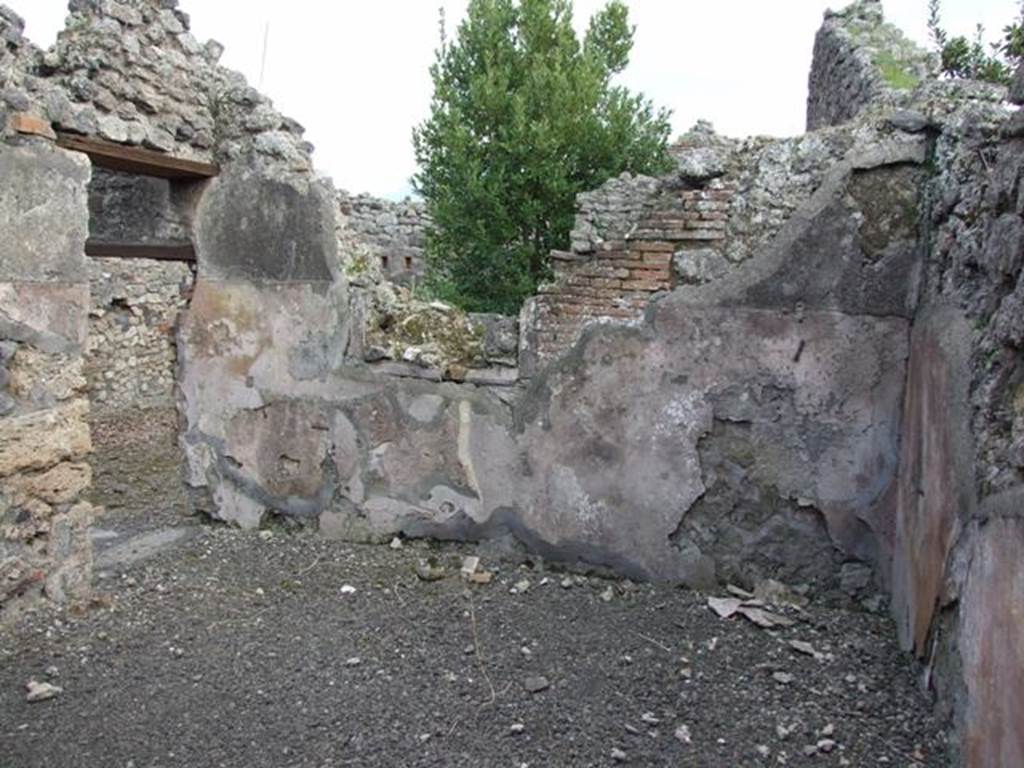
(44, 439)
(255, 226)
(43, 213)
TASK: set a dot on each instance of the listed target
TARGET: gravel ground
(236, 649)
(208, 647)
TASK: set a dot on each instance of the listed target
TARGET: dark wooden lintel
(145, 162)
(158, 251)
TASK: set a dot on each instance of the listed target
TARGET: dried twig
(479, 655)
(653, 642)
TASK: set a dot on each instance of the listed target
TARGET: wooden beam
(158, 251)
(145, 162)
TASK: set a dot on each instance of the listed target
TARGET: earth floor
(208, 646)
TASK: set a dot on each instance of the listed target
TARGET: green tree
(524, 116)
(972, 58)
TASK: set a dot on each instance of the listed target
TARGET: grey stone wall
(132, 73)
(956, 570)
(125, 207)
(44, 435)
(859, 61)
(675, 450)
(131, 356)
(390, 235)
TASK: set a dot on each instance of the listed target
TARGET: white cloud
(355, 72)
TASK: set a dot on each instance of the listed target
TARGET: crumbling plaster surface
(602, 459)
(44, 436)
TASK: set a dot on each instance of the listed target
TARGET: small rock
(763, 750)
(520, 587)
(619, 756)
(764, 619)
(650, 718)
(470, 564)
(428, 569)
(806, 648)
(52, 671)
(607, 595)
(355, 661)
(396, 543)
(782, 677)
(826, 745)
(41, 691)
(348, 589)
(908, 121)
(516, 728)
(682, 734)
(265, 535)
(536, 684)
(725, 607)
(739, 592)
(776, 593)
(828, 730)
(567, 583)
(811, 750)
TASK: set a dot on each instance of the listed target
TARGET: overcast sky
(354, 72)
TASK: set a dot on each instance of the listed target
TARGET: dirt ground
(226, 648)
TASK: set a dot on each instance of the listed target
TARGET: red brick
(23, 122)
(642, 285)
(652, 246)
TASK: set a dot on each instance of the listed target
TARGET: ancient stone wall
(636, 237)
(131, 357)
(389, 234)
(956, 573)
(129, 73)
(861, 61)
(716, 402)
(44, 435)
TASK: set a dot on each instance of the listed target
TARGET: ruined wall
(612, 276)
(135, 303)
(636, 236)
(676, 449)
(861, 61)
(392, 235)
(131, 73)
(957, 575)
(131, 357)
(44, 437)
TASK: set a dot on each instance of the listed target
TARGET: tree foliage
(973, 58)
(524, 116)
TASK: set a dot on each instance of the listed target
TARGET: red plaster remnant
(617, 282)
(928, 498)
(993, 654)
(28, 124)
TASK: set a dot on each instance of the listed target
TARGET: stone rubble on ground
(44, 691)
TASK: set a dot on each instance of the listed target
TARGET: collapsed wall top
(860, 60)
(131, 72)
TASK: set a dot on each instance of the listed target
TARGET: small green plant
(895, 73)
(972, 58)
